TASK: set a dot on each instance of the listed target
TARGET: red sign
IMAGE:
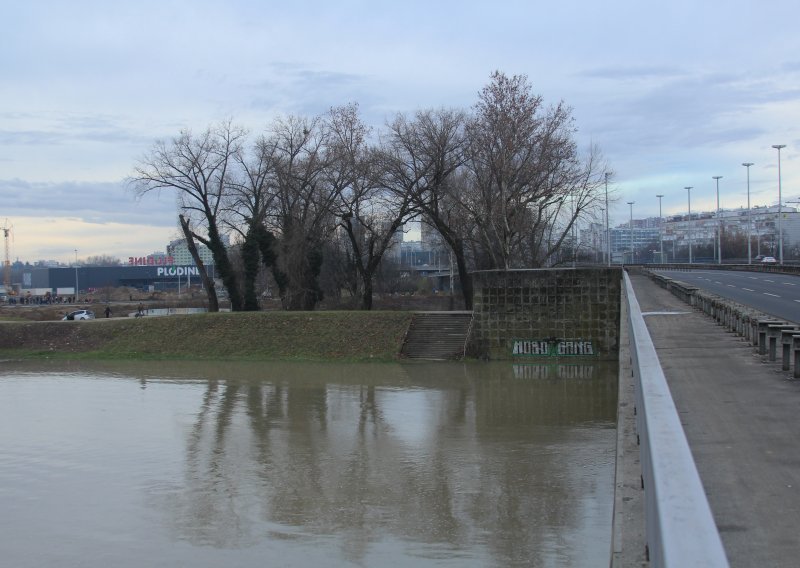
(151, 261)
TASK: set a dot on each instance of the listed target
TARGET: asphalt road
(774, 294)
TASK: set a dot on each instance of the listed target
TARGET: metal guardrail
(681, 531)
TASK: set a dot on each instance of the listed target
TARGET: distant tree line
(321, 198)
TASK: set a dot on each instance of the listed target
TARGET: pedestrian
(108, 311)
(140, 312)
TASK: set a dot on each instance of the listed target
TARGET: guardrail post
(763, 328)
(796, 350)
(773, 333)
(786, 344)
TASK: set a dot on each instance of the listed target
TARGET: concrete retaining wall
(561, 313)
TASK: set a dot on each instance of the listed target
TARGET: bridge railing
(680, 528)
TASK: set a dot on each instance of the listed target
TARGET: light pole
(749, 218)
(608, 238)
(689, 223)
(631, 204)
(719, 224)
(780, 209)
(660, 231)
(76, 276)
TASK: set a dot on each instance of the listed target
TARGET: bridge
(736, 404)
(707, 452)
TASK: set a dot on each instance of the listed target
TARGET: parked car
(768, 260)
(79, 315)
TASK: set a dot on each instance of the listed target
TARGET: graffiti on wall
(551, 348)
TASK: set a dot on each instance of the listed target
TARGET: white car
(768, 260)
(79, 315)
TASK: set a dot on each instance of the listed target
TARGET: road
(774, 294)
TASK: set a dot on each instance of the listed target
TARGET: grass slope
(350, 336)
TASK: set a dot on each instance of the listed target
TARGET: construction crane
(7, 261)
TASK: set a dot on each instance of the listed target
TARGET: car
(759, 258)
(768, 260)
(79, 315)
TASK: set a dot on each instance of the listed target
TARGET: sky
(672, 93)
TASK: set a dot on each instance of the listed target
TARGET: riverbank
(308, 336)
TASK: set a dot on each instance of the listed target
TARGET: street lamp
(780, 211)
(689, 224)
(719, 224)
(608, 238)
(631, 204)
(660, 231)
(76, 276)
(749, 218)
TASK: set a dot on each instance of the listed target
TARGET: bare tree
(423, 158)
(250, 195)
(196, 167)
(525, 175)
(300, 212)
(103, 260)
(369, 213)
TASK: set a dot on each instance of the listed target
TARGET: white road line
(717, 282)
(773, 295)
(752, 278)
(765, 280)
(797, 301)
(748, 289)
(789, 284)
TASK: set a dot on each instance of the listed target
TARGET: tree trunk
(251, 259)
(224, 267)
(208, 283)
(366, 298)
(463, 273)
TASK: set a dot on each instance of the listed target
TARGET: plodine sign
(177, 271)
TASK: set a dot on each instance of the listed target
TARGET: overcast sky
(673, 93)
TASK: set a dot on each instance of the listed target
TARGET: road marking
(765, 280)
(773, 295)
(748, 289)
(789, 284)
(731, 286)
(717, 282)
(669, 313)
(752, 278)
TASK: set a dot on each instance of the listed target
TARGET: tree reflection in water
(482, 461)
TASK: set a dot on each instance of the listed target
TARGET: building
(62, 281)
(179, 251)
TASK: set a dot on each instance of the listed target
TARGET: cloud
(95, 203)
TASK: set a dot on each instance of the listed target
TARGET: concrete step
(437, 335)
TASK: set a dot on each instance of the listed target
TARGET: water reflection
(484, 464)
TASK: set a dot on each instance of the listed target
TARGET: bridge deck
(742, 420)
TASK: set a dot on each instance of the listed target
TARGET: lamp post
(689, 223)
(719, 224)
(608, 238)
(631, 204)
(660, 231)
(749, 218)
(780, 211)
(76, 276)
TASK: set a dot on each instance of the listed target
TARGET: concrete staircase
(437, 335)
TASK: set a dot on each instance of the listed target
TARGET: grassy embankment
(311, 336)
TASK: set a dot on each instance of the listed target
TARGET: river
(294, 464)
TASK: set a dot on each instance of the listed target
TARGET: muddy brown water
(296, 464)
